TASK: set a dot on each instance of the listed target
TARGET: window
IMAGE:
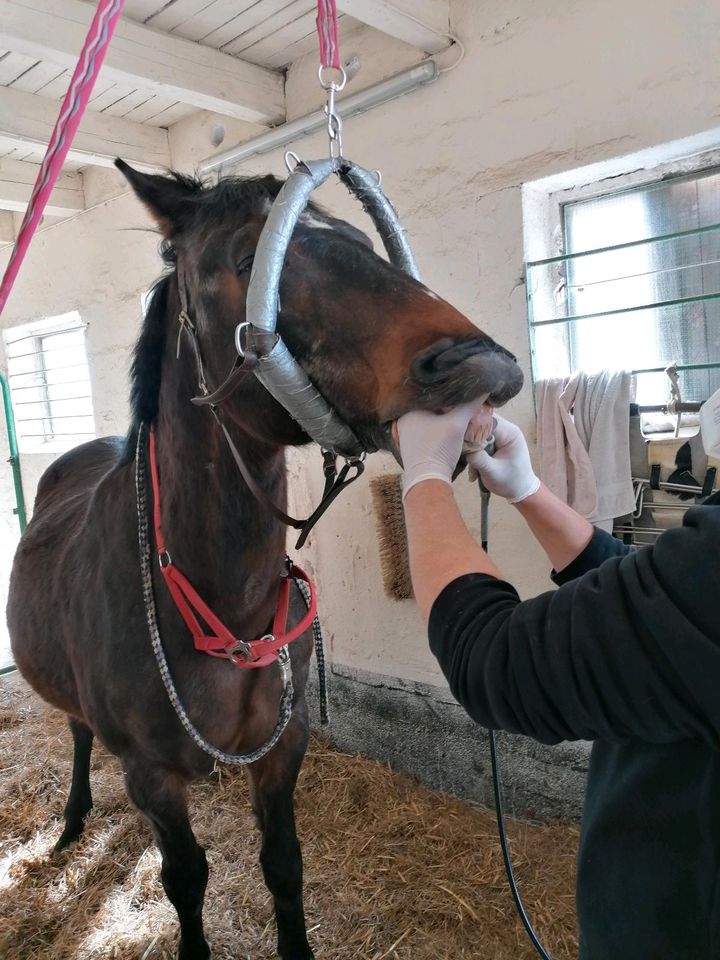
(50, 384)
(638, 287)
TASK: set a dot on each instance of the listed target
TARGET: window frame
(545, 228)
(35, 333)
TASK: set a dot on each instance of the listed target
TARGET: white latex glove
(431, 444)
(508, 471)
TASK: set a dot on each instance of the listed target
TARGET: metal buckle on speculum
(243, 332)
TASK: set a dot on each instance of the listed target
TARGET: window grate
(638, 287)
(50, 384)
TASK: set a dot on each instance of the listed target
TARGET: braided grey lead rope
(319, 655)
(286, 700)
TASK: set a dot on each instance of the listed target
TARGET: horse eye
(244, 265)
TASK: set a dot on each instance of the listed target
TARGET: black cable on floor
(499, 811)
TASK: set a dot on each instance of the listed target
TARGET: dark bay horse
(377, 344)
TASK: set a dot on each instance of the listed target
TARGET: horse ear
(165, 197)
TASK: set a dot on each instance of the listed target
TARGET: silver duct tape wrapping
(263, 290)
(278, 371)
(285, 379)
(366, 188)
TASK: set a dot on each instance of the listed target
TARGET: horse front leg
(160, 797)
(272, 783)
(79, 801)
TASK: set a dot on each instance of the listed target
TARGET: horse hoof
(67, 838)
(198, 951)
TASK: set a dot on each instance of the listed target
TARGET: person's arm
(440, 546)
(630, 650)
(561, 532)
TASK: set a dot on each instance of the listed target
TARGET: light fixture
(373, 96)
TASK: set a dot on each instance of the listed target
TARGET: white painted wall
(544, 88)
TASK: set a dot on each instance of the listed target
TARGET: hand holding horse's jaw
(431, 444)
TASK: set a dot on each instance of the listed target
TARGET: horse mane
(146, 366)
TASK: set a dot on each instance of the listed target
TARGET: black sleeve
(631, 649)
(602, 547)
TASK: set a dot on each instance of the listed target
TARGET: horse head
(374, 341)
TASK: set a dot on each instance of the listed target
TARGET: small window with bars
(637, 288)
(50, 384)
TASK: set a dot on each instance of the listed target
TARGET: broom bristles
(386, 494)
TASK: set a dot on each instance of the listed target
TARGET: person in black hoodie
(625, 653)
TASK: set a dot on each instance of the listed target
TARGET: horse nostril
(439, 358)
(424, 365)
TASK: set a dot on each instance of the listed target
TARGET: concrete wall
(543, 89)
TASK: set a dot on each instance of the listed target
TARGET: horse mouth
(450, 373)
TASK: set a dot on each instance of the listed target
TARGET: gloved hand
(508, 471)
(431, 444)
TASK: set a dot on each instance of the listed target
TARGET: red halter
(222, 643)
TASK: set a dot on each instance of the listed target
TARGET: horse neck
(228, 545)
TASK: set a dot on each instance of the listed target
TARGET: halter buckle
(186, 324)
(241, 648)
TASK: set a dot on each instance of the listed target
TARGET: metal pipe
(714, 365)
(561, 258)
(14, 459)
(280, 136)
(685, 406)
(674, 487)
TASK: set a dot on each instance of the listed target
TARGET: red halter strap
(190, 605)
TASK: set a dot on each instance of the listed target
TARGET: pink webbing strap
(73, 107)
(190, 605)
(327, 28)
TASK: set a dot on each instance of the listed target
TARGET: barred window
(50, 384)
(637, 287)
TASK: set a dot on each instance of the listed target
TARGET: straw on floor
(392, 871)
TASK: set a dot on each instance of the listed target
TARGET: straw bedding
(392, 871)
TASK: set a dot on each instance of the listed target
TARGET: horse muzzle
(452, 372)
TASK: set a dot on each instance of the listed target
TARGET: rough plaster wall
(544, 88)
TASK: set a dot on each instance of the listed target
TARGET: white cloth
(564, 463)
(602, 419)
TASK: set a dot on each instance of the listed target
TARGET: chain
(286, 700)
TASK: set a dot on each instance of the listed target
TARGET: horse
(376, 343)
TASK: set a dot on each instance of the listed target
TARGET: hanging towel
(602, 420)
(564, 463)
